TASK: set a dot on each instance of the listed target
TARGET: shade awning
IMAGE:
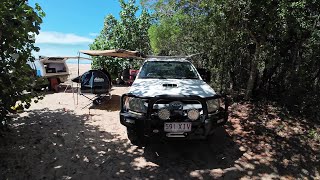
(121, 53)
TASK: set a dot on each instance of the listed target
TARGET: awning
(121, 53)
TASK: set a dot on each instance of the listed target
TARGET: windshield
(168, 70)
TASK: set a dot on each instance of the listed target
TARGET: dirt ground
(58, 139)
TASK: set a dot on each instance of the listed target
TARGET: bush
(19, 24)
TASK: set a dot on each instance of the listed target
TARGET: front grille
(187, 104)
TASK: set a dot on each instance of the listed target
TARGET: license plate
(177, 127)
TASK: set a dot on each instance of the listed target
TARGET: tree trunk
(253, 73)
(267, 74)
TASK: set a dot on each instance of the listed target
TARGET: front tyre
(135, 136)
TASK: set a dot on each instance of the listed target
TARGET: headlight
(213, 105)
(135, 104)
(193, 114)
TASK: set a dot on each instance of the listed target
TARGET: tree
(262, 50)
(19, 24)
(129, 32)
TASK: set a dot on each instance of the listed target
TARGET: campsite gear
(54, 67)
(54, 84)
(94, 82)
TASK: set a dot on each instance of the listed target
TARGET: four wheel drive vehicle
(169, 99)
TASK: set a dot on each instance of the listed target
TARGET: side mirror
(205, 74)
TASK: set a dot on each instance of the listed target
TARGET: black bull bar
(146, 117)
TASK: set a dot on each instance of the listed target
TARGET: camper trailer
(54, 67)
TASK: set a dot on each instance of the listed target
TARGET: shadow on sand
(54, 144)
(49, 144)
(112, 104)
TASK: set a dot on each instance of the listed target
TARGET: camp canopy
(113, 53)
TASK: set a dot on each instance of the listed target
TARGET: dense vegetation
(129, 32)
(19, 22)
(265, 50)
(261, 49)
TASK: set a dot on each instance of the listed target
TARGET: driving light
(193, 114)
(164, 114)
(213, 105)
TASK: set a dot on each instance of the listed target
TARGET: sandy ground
(58, 139)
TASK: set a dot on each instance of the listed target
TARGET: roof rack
(170, 57)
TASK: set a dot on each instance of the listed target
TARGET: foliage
(261, 49)
(314, 135)
(168, 29)
(19, 23)
(129, 32)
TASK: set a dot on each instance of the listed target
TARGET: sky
(71, 25)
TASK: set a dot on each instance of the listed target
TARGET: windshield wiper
(153, 77)
(188, 78)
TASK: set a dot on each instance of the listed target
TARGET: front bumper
(153, 126)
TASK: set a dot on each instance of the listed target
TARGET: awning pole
(79, 78)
